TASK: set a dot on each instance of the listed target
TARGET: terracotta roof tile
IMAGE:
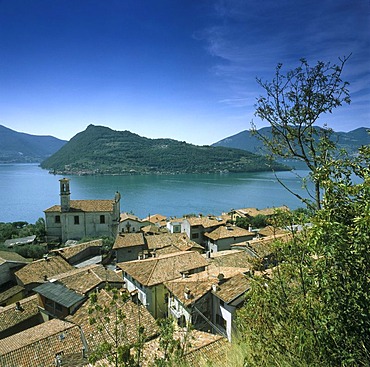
(85, 206)
(155, 218)
(224, 232)
(85, 279)
(157, 270)
(35, 271)
(206, 221)
(253, 212)
(231, 258)
(128, 216)
(135, 316)
(38, 345)
(196, 286)
(128, 240)
(70, 251)
(10, 317)
(233, 288)
(272, 231)
(263, 247)
(203, 349)
(180, 241)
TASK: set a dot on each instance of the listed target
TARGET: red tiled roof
(85, 206)
(157, 270)
(35, 271)
(38, 345)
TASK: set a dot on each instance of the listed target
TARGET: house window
(102, 219)
(77, 219)
(58, 307)
(195, 235)
(57, 219)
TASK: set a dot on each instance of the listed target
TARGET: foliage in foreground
(314, 309)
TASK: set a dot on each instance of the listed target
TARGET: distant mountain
(16, 147)
(100, 150)
(350, 141)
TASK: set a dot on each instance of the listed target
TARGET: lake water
(26, 191)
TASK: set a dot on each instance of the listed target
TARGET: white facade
(76, 219)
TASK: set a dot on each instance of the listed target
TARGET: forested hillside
(16, 147)
(101, 150)
(350, 141)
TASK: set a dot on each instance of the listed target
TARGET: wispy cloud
(248, 38)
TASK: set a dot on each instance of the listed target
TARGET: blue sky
(181, 69)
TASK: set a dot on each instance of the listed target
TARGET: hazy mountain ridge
(350, 141)
(101, 150)
(16, 147)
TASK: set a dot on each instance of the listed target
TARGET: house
(89, 278)
(147, 277)
(196, 227)
(65, 292)
(76, 219)
(129, 223)
(224, 236)
(228, 296)
(9, 263)
(135, 317)
(39, 271)
(11, 295)
(253, 212)
(190, 301)
(229, 260)
(166, 243)
(42, 345)
(19, 316)
(263, 250)
(157, 219)
(78, 254)
(174, 225)
(128, 246)
(57, 301)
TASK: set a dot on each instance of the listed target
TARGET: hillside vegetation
(350, 141)
(16, 147)
(101, 150)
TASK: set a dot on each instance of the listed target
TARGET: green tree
(314, 308)
(172, 347)
(109, 319)
(293, 104)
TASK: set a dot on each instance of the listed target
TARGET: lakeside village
(195, 270)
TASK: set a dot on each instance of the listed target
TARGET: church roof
(85, 206)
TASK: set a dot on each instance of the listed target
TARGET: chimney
(45, 277)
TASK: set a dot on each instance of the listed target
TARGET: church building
(77, 219)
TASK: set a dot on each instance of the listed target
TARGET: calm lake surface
(26, 191)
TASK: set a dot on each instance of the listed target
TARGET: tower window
(57, 219)
(77, 219)
(102, 219)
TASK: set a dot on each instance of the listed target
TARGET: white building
(76, 219)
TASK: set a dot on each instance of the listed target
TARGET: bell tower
(64, 194)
